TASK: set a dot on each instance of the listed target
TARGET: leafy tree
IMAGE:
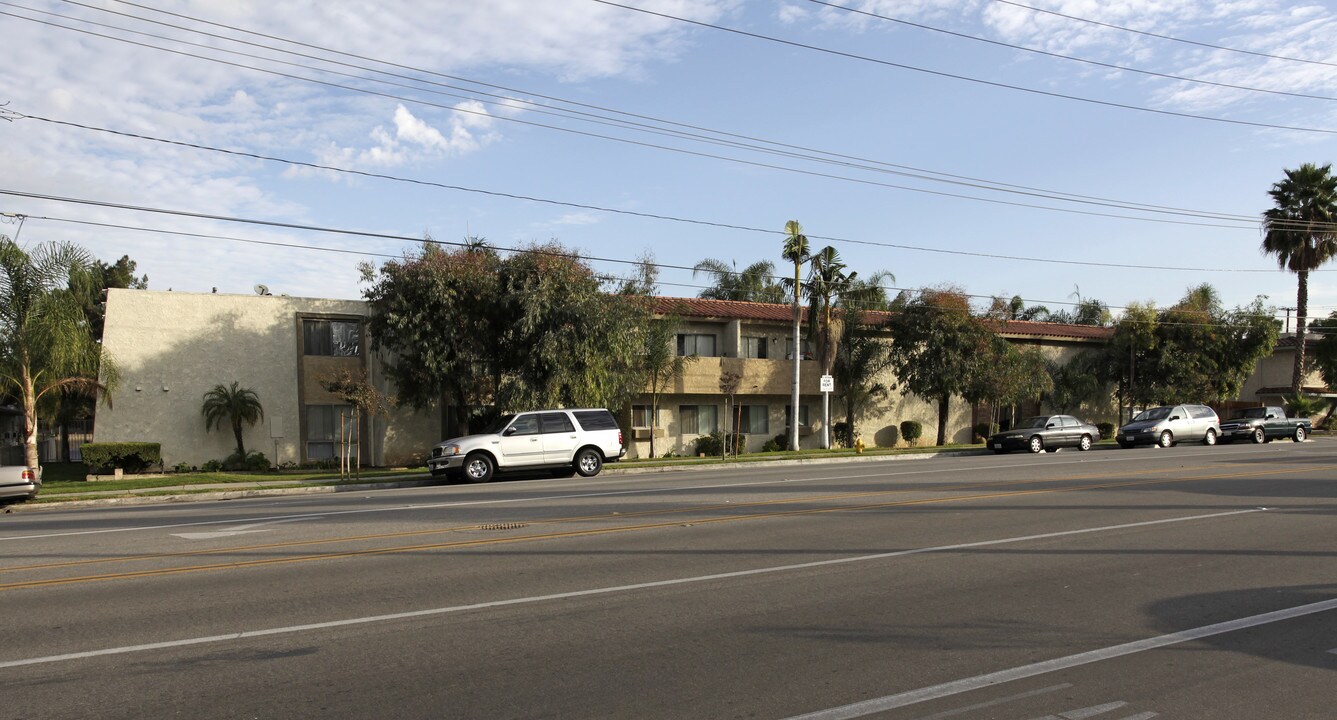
(645, 280)
(534, 329)
(1300, 232)
(234, 405)
(795, 250)
(356, 390)
(1080, 381)
(1325, 348)
(90, 286)
(45, 345)
(754, 283)
(1194, 351)
(936, 347)
(1087, 311)
(862, 357)
(1016, 309)
(1006, 375)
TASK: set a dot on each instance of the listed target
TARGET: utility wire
(464, 245)
(621, 124)
(1097, 63)
(1165, 37)
(966, 78)
(633, 213)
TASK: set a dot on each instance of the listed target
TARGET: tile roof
(736, 310)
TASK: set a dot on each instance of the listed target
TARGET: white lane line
(1333, 651)
(995, 703)
(610, 493)
(238, 529)
(889, 702)
(602, 591)
(1141, 716)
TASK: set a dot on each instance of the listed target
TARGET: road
(1190, 582)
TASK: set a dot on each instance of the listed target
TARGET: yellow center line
(627, 528)
(587, 518)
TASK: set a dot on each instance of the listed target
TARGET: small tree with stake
(356, 390)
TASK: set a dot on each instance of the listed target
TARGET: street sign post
(827, 387)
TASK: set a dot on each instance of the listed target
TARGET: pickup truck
(17, 481)
(1264, 424)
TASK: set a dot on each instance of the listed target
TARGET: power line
(835, 159)
(1164, 37)
(633, 213)
(463, 245)
(966, 78)
(1037, 51)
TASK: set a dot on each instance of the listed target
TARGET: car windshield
(1159, 413)
(1253, 413)
(1035, 422)
(500, 424)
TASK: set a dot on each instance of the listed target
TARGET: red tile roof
(735, 310)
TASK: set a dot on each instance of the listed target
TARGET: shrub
(984, 430)
(840, 435)
(712, 444)
(212, 466)
(911, 430)
(182, 468)
(252, 461)
(129, 456)
(781, 441)
(1106, 430)
(770, 446)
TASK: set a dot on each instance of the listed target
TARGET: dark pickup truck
(1264, 424)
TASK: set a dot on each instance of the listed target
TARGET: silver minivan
(1169, 424)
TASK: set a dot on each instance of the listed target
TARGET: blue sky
(875, 112)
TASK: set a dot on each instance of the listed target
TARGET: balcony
(759, 377)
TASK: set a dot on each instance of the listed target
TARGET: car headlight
(449, 450)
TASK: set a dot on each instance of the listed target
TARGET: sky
(1051, 149)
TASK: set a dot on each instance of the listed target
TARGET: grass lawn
(61, 478)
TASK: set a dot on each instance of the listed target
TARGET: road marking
(1084, 713)
(614, 493)
(890, 702)
(649, 585)
(240, 529)
(995, 703)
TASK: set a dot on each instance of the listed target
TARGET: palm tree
(754, 283)
(796, 251)
(234, 404)
(1300, 231)
(46, 345)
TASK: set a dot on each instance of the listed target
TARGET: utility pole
(1288, 310)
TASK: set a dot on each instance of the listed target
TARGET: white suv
(564, 440)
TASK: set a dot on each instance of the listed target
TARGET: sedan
(1045, 432)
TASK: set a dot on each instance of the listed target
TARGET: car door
(1181, 424)
(1072, 430)
(521, 442)
(559, 437)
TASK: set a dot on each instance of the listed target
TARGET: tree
(858, 357)
(1300, 232)
(534, 329)
(235, 405)
(46, 347)
(796, 251)
(754, 283)
(1086, 311)
(936, 347)
(91, 284)
(356, 390)
(661, 365)
(1016, 309)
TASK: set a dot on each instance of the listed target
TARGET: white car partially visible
(575, 440)
(19, 481)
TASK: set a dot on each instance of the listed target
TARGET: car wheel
(589, 462)
(1167, 439)
(1299, 434)
(1085, 443)
(1259, 436)
(1037, 445)
(478, 468)
(1209, 438)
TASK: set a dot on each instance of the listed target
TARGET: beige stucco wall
(173, 347)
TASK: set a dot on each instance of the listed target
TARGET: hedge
(129, 456)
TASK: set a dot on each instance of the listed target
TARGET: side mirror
(508, 432)
(1271, 417)
(1050, 425)
(1174, 418)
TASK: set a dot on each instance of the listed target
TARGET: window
(698, 419)
(691, 344)
(595, 420)
(754, 419)
(323, 426)
(1070, 422)
(556, 422)
(641, 416)
(332, 337)
(789, 349)
(802, 414)
(1201, 411)
(754, 347)
(524, 425)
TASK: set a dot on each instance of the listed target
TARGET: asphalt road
(1191, 582)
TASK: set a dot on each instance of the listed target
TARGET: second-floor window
(754, 347)
(339, 338)
(789, 349)
(695, 344)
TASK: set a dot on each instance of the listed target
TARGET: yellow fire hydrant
(858, 445)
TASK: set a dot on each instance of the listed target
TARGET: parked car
(19, 481)
(1045, 432)
(1170, 424)
(562, 440)
(1264, 424)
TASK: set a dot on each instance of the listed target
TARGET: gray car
(1171, 424)
(1045, 432)
(19, 482)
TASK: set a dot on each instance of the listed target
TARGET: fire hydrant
(858, 445)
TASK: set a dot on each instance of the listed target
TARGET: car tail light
(29, 475)
(619, 437)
